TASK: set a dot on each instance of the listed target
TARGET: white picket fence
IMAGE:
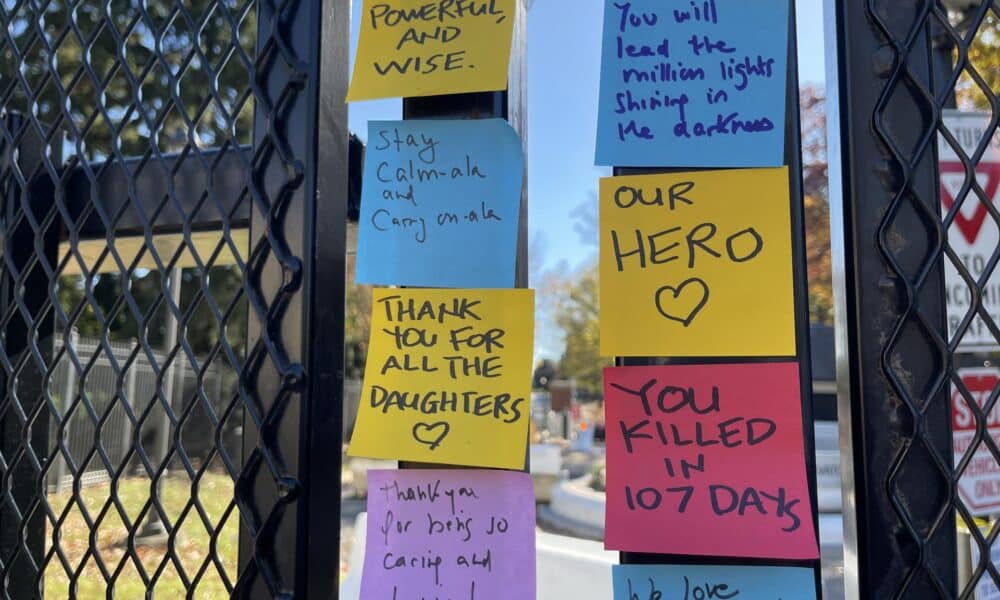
(98, 417)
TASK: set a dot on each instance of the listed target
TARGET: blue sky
(563, 70)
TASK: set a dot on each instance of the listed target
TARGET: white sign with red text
(979, 485)
(974, 234)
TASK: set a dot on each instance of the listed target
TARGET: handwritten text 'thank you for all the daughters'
(448, 377)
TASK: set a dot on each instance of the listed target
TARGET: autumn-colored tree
(816, 205)
(984, 59)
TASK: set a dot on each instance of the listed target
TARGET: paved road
(833, 560)
(350, 508)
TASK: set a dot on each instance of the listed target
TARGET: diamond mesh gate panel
(158, 185)
(903, 65)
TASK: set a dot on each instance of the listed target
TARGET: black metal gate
(901, 65)
(173, 185)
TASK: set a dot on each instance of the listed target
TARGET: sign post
(979, 484)
(973, 235)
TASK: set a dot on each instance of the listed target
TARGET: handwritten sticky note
(411, 48)
(697, 264)
(691, 582)
(707, 460)
(440, 204)
(693, 83)
(449, 534)
(448, 377)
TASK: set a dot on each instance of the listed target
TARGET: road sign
(974, 234)
(979, 485)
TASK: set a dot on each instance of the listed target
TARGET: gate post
(510, 104)
(326, 295)
(793, 161)
(288, 490)
(893, 355)
(26, 357)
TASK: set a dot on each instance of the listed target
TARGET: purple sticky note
(449, 535)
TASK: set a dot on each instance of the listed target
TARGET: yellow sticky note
(448, 377)
(421, 48)
(697, 264)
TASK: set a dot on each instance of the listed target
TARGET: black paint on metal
(284, 176)
(30, 245)
(898, 64)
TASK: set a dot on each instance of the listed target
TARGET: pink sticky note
(449, 535)
(707, 460)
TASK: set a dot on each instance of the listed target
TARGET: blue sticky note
(694, 582)
(693, 83)
(440, 204)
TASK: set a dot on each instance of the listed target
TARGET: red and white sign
(974, 234)
(979, 485)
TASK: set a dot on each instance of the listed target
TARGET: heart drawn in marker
(682, 303)
(431, 434)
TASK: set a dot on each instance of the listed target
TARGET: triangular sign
(970, 227)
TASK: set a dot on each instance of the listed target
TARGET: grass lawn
(122, 574)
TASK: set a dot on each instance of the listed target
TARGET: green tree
(202, 329)
(124, 98)
(107, 289)
(576, 314)
(126, 78)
